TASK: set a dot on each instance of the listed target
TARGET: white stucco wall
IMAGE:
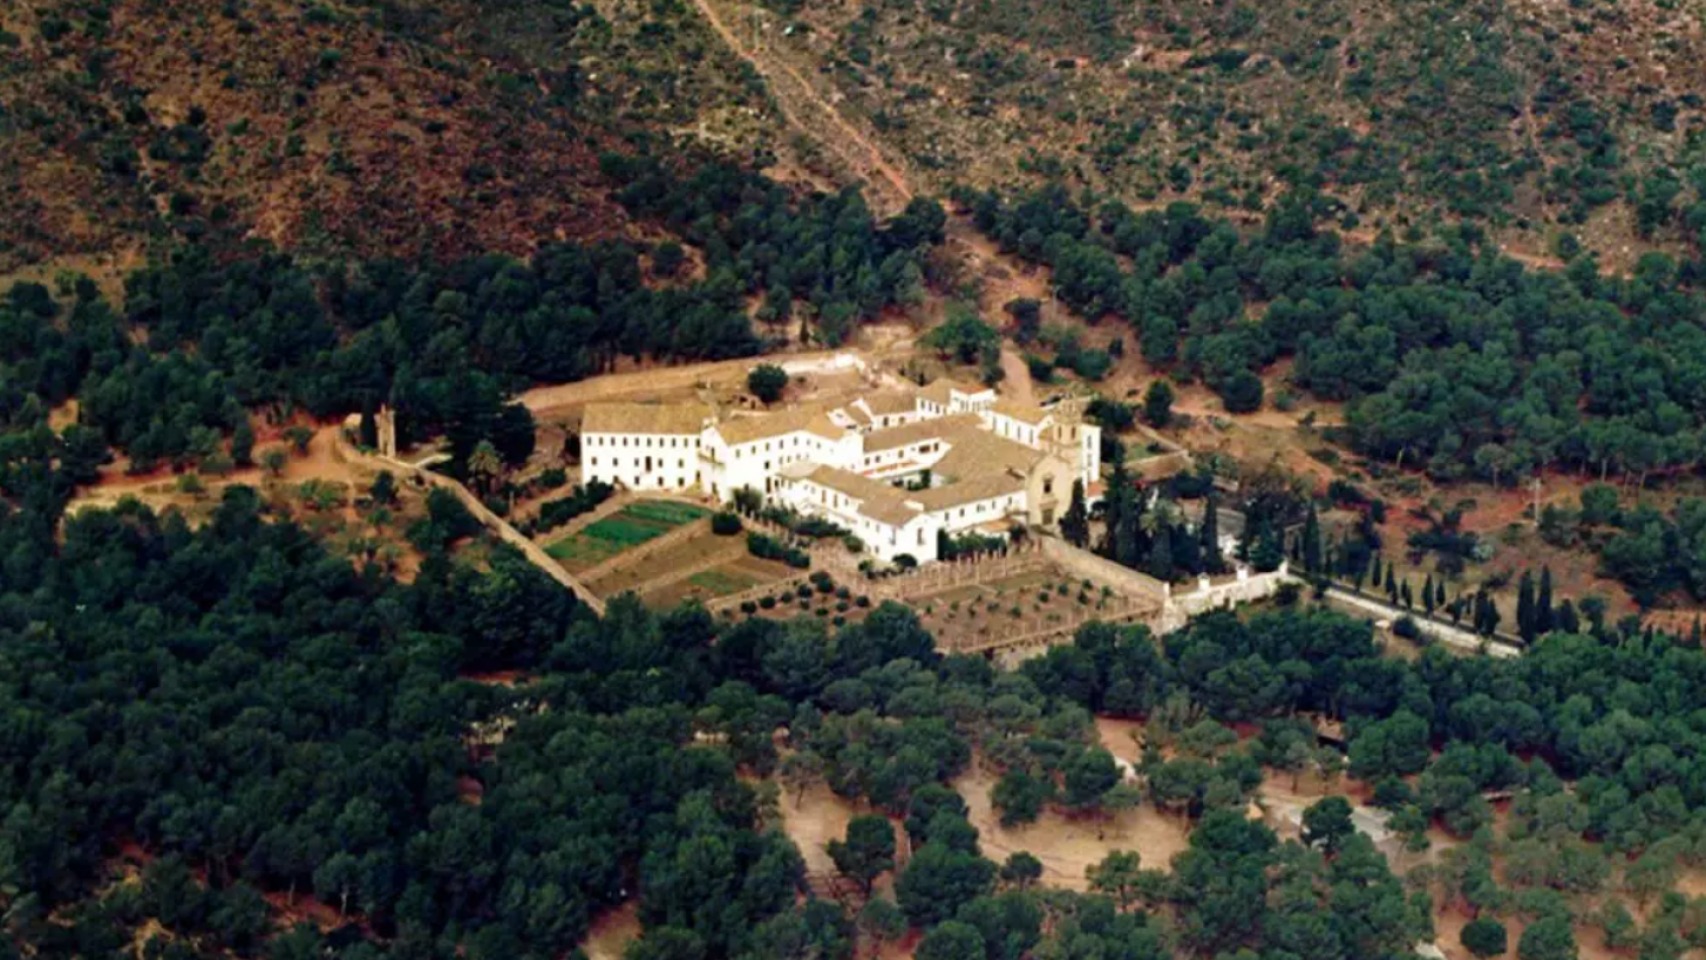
(641, 461)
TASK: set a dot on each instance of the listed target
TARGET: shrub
(725, 524)
(768, 548)
(768, 603)
(1484, 937)
(1406, 627)
(748, 607)
(581, 500)
(1241, 392)
(862, 601)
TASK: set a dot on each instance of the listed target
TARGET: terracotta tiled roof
(877, 500)
(644, 418)
(763, 427)
(974, 452)
(889, 438)
(1023, 412)
(891, 402)
(985, 486)
(938, 391)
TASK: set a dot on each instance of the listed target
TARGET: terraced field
(627, 528)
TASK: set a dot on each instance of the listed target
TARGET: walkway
(498, 525)
(1452, 636)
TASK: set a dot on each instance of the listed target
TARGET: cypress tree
(1404, 594)
(1525, 607)
(1439, 593)
(1126, 531)
(1075, 525)
(1374, 571)
(1161, 557)
(1186, 555)
(1210, 543)
(1567, 621)
(1543, 603)
(368, 432)
(1391, 584)
(1428, 594)
(1312, 541)
(1118, 505)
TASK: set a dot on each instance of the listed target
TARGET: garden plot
(627, 528)
(730, 577)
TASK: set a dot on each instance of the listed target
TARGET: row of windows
(616, 462)
(600, 440)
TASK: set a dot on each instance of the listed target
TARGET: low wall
(1087, 566)
(1244, 587)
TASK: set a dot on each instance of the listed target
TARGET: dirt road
(796, 99)
(1016, 377)
(652, 381)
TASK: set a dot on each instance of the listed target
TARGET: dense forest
(1451, 356)
(446, 345)
(256, 721)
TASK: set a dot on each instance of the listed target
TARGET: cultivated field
(627, 528)
(972, 615)
(729, 577)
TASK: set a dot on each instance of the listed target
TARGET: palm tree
(485, 465)
(1158, 518)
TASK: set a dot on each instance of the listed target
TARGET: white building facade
(896, 468)
(643, 446)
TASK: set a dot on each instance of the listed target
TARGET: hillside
(331, 129)
(1532, 118)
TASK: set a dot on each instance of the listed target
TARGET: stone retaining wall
(1085, 565)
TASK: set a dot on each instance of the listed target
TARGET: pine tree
(1525, 607)
(1267, 553)
(1075, 525)
(1213, 562)
(1543, 603)
(1312, 541)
